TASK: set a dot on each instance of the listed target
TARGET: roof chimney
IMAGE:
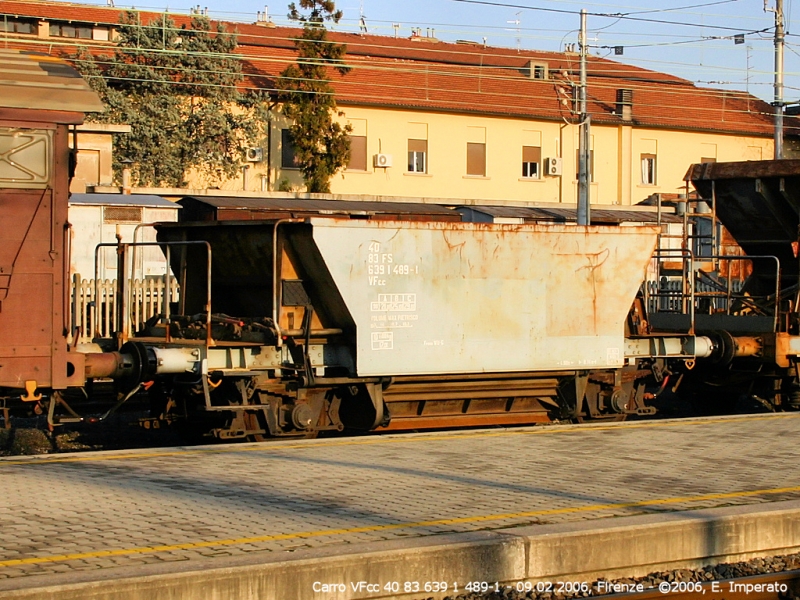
(624, 104)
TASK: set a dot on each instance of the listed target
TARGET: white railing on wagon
(95, 317)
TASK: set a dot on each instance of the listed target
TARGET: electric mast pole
(584, 140)
(778, 103)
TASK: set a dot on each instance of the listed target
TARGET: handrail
(124, 247)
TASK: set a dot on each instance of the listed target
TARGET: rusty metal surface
(33, 276)
(600, 216)
(473, 400)
(39, 97)
(440, 298)
(29, 80)
(241, 277)
(413, 422)
(758, 202)
(750, 169)
(244, 209)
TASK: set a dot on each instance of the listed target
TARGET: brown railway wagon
(41, 98)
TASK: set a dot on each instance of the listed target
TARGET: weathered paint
(39, 98)
(33, 274)
(444, 298)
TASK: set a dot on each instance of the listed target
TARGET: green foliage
(177, 89)
(322, 146)
(285, 186)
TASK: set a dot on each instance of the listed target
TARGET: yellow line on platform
(277, 445)
(387, 527)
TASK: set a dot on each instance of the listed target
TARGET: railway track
(123, 430)
(674, 585)
(769, 586)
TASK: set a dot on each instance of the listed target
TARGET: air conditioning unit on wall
(552, 166)
(254, 155)
(382, 160)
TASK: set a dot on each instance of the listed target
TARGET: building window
(17, 26)
(417, 156)
(70, 31)
(476, 159)
(648, 169)
(537, 70)
(288, 158)
(531, 162)
(358, 153)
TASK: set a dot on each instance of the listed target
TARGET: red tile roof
(425, 74)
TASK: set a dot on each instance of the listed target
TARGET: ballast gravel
(756, 566)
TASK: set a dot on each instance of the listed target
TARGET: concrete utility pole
(778, 103)
(584, 139)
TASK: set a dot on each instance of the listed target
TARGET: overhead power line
(625, 16)
(367, 44)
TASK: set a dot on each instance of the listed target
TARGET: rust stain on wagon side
(488, 297)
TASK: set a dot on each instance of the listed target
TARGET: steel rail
(753, 587)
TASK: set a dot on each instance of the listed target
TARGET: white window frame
(532, 169)
(418, 159)
(649, 165)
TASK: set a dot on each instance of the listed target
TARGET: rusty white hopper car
(295, 326)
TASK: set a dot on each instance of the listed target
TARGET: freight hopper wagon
(295, 326)
(747, 301)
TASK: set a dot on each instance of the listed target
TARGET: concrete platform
(266, 521)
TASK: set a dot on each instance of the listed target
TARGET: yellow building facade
(629, 163)
(454, 122)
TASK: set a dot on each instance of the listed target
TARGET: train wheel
(257, 420)
(603, 404)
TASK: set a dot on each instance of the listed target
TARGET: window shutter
(476, 159)
(531, 154)
(358, 153)
(417, 145)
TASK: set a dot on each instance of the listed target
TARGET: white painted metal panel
(89, 229)
(444, 298)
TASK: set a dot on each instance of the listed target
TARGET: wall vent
(122, 214)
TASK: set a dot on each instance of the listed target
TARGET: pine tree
(177, 89)
(322, 146)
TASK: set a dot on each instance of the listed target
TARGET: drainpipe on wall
(126, 180)
(269, 150)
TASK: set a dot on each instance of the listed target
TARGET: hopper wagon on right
(735, 278)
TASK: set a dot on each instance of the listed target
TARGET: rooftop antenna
(110, 3)
(749, 49)
(396, 27)
(517, 22)
(362, 20)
